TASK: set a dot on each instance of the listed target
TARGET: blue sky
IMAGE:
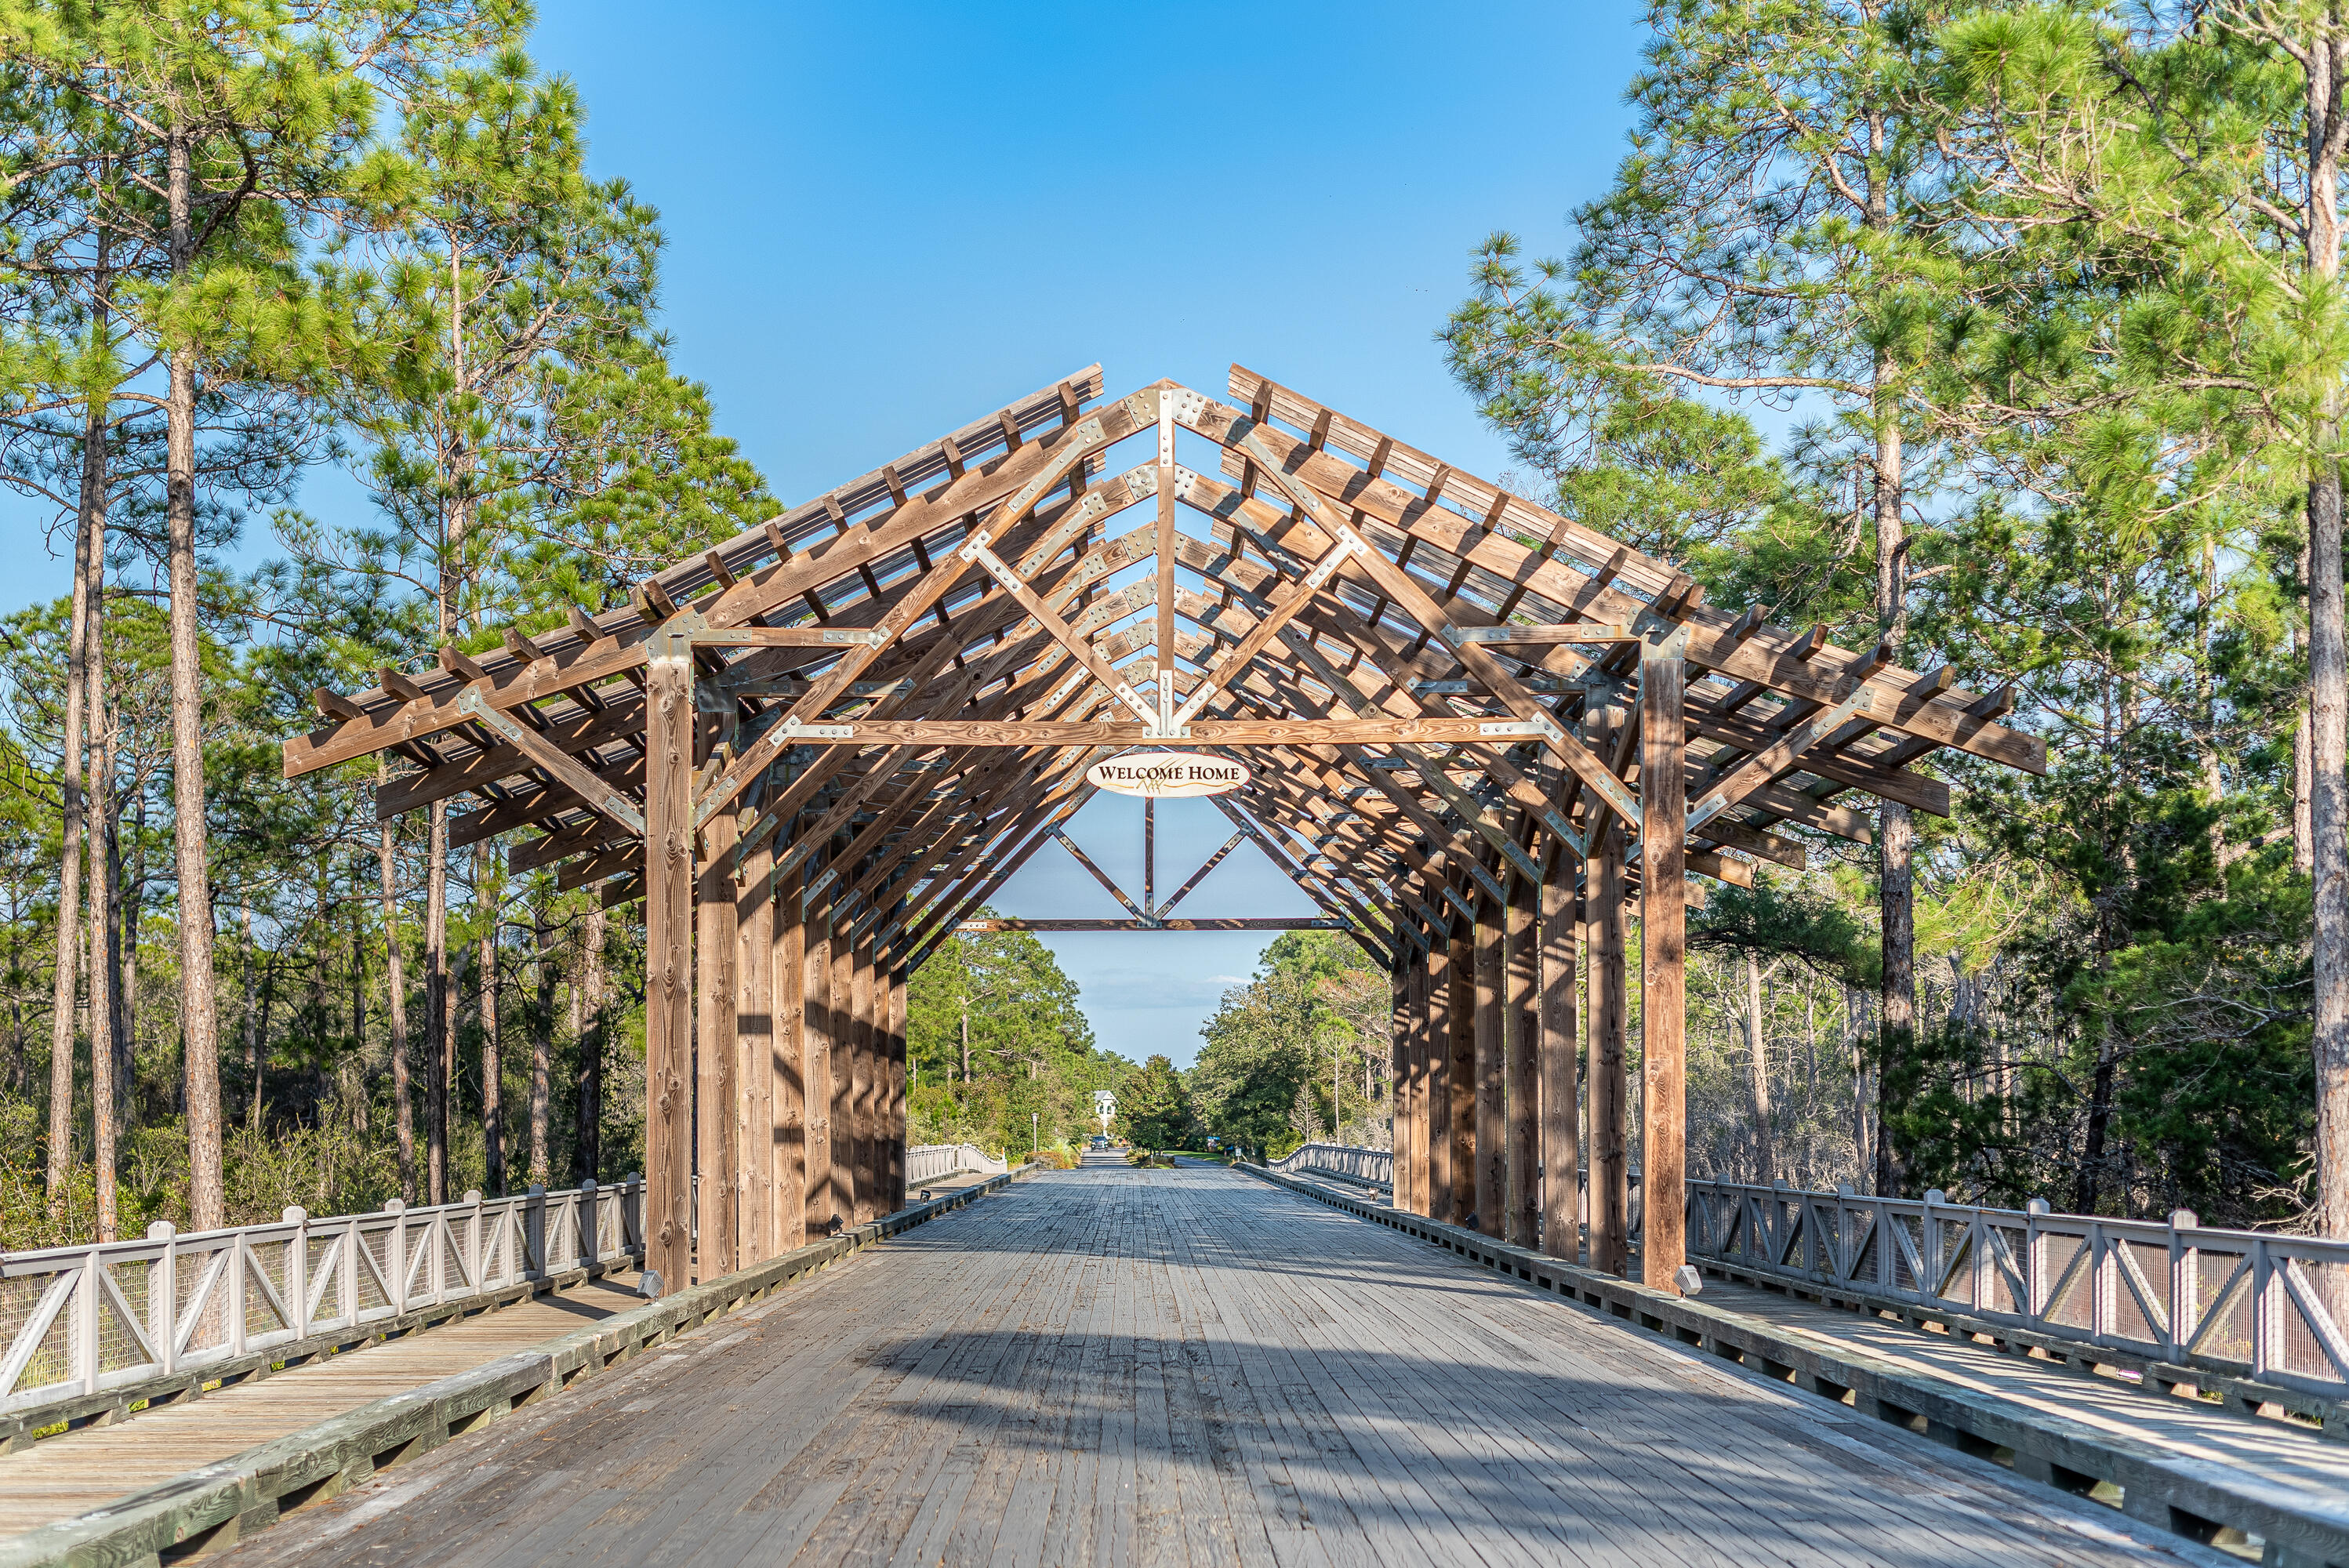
(887, 219)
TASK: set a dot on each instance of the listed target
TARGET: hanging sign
(1168, 775)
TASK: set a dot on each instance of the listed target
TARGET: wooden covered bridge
(1478, 735)
(1478, 730)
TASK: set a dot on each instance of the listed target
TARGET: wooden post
(897, 1123)
(1663, 957)
(1561, 1151)
(715, 1085)
(816, 1057)
(1399, 1074)
(1492, 1077)
(754, 1033)
(1460, 1015)
(841, 1028)
(1411, 1094)
(864, 1024)
(1521, 1028)
(788, 1217)
(1435, 1096)
(1610, 1195)
(668, 973)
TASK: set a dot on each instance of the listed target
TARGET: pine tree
(1774, 234)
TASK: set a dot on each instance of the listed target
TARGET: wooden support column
(715, 1086)
(1521, 1028)
(870, 1073)
(754, 1056)
(788, 1216)
(1436, 1093)
(1663, 957)
(897, 1124)
(1560, 1094)
(816, 1054)
(1460, 1021)
(1399, 1068)
(668, 972)
(1491, 1079)
(1410, 1093)
(1610, 1199)
(841, 1026)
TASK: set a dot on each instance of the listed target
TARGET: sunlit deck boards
(61, 1477)
(1184, 1366)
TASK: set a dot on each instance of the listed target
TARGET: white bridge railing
(80, 1321)
(1341, 1160)
(2241, 1303)
(930, 1161)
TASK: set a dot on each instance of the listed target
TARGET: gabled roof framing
(1365, 614)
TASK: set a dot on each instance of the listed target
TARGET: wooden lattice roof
(927, 658)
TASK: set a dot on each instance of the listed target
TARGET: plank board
(1188, 1366)
(61, 1477)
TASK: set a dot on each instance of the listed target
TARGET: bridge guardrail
(928, 1162)
(80, 1321)
(1340, 1159)
(2240, 1304)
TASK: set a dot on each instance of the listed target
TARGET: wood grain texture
(1663, 961)
(669, 966)
(1561, 1094)
(1492, 1067)
(1185, 1367)
(716, 1085)
(1521, 1034)
(1610, 1204)
(1435, 1110)
(1460, 1015)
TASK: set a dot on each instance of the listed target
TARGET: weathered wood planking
(1185, 1367)
(65, 1476)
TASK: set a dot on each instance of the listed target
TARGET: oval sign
(1169, 775)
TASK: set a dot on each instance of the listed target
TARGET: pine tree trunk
(63, 997)
(1758, 1051)
(439, 1035)
(542, 1051)
(485, 976)
(356, 1088)
(199, 1017)
(1895, 831)
(251, 1025)
(2328, 673)
(587, 1156)
(395, 986)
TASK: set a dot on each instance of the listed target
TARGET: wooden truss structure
(1480, 731)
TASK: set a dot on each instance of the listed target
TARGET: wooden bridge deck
(65, 1476)
(1111, 1365)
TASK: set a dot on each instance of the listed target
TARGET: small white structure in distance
(1104, 1107)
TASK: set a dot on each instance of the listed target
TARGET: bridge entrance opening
(1490, 743)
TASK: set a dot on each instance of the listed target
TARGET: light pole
(1035, 1130)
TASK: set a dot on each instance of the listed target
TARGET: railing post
(1931, 1233)
(2184, 1283)
(473, 1250)
(233, 1280)
(163, 1297)
(347, 1285)
(394, 1253)
(533, 1263)
(2035, 1258)
(296, 1283)
(2266, 1320)
(85, 1322)
(587, 1240)
(2102, 1283)
(632, 1213)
